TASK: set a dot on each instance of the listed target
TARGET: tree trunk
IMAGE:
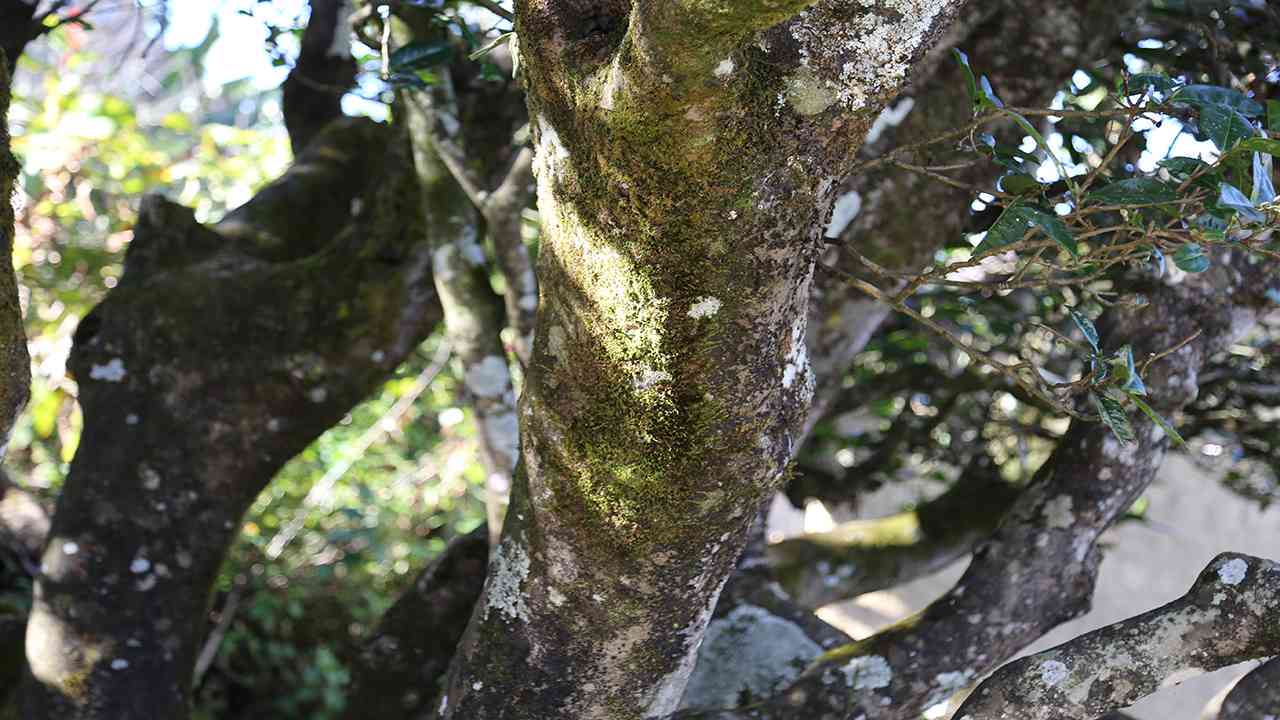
(683, 176)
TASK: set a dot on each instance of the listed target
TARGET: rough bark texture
(1257, 695)
(404, 662)
(325, 69)
(1230, 615)
(181, 432)
(1037, 570)
(15, 365)
(682, 179)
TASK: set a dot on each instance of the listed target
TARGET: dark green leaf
(1019, 184)
(1135, 191)
(1158, 419)
(1113, 414)
(1191, 258)
(1086, 327)
(1212, 225)
(1260, 144)
(418, 55)
(981, 94)
(1017, 219)
(1205, 95)
(1225, 126)
(1156, 81)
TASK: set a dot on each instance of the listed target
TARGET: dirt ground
(1190, 519)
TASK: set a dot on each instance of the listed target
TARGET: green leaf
(1156, 81)
(418, 55)
(1273, 115)
(980, 92)
(1019, 184)
(1135, 191)
(1113, 414)
(1158, 419)
(1205, 95)
(1017, 219)
(1260, 144)
(1133, 384)
(1191, 258)
(1225, 126)
(1086, 328)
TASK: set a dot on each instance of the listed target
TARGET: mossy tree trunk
(687, 154)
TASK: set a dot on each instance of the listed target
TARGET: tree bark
(312, 93)
(210, 366)
(15, 364)
(682, 177)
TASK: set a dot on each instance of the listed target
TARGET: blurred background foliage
(105, 115)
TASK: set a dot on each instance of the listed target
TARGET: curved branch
(1229, 615)
(863, 556)
(200, 375)
(403, 661)
(1257, 695)
(325, 70)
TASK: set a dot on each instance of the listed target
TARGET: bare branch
(863, 556)
(1228, 616)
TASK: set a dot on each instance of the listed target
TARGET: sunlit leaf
(1206, 95)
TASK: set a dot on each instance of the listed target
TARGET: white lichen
(1233, 571)
(488, 378)
(113, 371)
(649, 378)
(724, 69)
(704, 307)
(750, 651)
(868, 672)
(1053, 672)
(510, 567)
(1057, 512)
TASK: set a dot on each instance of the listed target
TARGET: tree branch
(397, 674)
(1257, 695)
(325, 70)
(863, 556)
(1038, 569)
(1229, 615)
(200, 375)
